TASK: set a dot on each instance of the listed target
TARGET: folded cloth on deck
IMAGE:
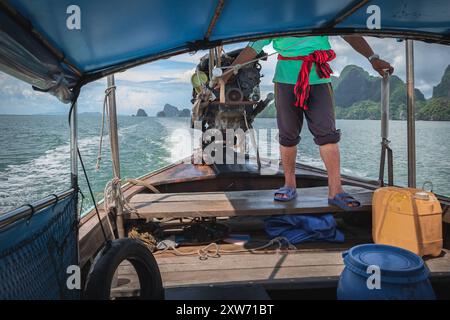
(303, 228)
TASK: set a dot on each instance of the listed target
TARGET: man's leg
(289, 121)
(331, 157)
(321, 123)
(288, 157)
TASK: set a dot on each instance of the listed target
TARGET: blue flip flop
(290, 192)
(343, 201)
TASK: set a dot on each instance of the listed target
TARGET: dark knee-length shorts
(319, 116)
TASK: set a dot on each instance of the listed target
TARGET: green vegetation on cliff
(442, 90)
(357, 96)
(435, 109)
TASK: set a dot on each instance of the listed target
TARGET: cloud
(149, 95)
(18, 97)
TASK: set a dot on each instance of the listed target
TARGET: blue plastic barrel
(378, 272)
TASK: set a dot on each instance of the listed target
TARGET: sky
(168, 81)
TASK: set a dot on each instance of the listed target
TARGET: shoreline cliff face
(171, 111)
(357, 96)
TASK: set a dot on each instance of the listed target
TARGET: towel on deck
(303, 228)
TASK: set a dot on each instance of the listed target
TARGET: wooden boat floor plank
(244, 268)
(239, 203)
(266, 268)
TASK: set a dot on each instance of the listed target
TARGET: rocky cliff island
(171, 111)
(141, 113)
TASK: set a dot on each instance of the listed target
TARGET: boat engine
(242, 97)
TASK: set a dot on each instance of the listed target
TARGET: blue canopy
(38, 46)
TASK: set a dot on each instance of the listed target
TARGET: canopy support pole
(214, 19)
(345, 13)
(385, 148)
(410, 114)
(114, 142)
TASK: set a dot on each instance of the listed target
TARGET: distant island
(141, 113)
(357, 96)
(90, 113)
(171, 111)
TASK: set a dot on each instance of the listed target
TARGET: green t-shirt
(287, 71)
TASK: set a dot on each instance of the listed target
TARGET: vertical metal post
(73, 122)
(219, 50)
(113, 136)
(385, 106)
(114, 142)
(410, 114)
(211, 62)
(385, 96)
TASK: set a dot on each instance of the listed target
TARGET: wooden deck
(300, 269)
(239, 203)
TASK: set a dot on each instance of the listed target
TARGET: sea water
(34, 152)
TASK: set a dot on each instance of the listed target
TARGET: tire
(99, 279)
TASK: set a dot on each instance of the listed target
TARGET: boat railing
(28, 210)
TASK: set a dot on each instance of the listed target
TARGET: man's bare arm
(361, 46)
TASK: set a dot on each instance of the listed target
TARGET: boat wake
(41, 176)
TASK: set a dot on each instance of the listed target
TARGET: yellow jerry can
(407, 218)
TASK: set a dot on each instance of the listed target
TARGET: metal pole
(410, 114)
(25, 211)
(114, 142)
(385, 96)
(73, 122)
(211, 62)
(385, 106)
(113, 136)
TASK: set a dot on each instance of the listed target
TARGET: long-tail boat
(59, 47)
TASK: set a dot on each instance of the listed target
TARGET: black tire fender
(99, 279)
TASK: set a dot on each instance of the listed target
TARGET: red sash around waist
(302, 88)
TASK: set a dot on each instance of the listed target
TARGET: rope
(105, 112)
(206, 252)
(146, 237)
(113, 191)
(93, 198)
(113, 196)
(143, 184)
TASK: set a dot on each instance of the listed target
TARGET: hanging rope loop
(105, 114)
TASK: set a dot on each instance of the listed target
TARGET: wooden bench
(239, 203)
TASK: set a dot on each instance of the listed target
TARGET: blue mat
(303, 228)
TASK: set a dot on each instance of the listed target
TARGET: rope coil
(206, 252)
(113, 196)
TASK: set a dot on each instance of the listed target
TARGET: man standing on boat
(303, 89)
